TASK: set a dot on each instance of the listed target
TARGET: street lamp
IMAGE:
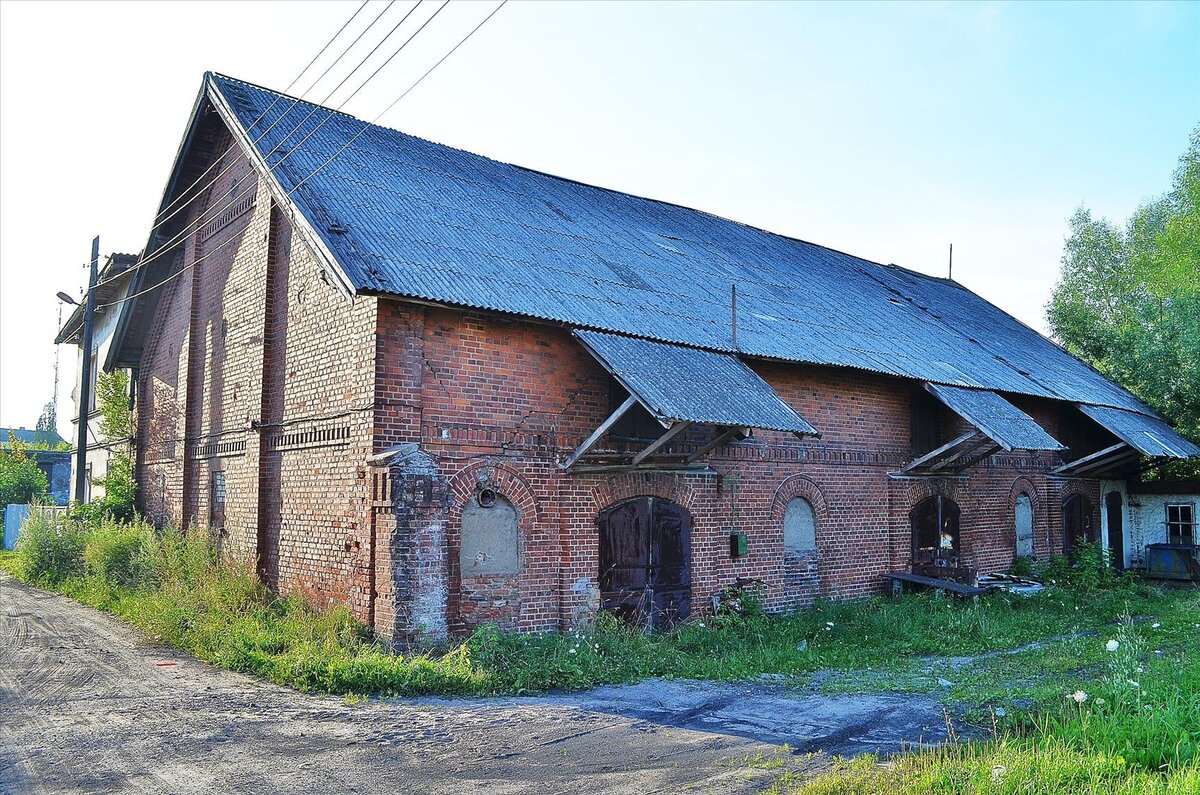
(85, 386)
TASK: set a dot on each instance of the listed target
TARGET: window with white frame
(1181, 523)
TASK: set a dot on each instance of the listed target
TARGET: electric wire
(158, 220)
(188, 194)
(357, 135)
(209, 213)
(396, 101)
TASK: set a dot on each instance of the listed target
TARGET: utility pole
(85, 385)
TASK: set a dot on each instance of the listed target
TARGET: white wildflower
(1112, 645)
(1079, 696)
(1155, 625)
(998, 771)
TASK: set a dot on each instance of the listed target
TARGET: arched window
(800, 527)
(934, 529)
(1023, 513)
(489, 543)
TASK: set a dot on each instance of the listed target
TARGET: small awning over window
(998, 425)
(1141, 436)
(683, 387)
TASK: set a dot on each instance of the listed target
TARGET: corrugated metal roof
(1148, 435)
(421, 220)
(678, 383)
(1000, 420)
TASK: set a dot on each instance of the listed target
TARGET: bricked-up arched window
(1023, 521)
(800, 527)
(488, 541)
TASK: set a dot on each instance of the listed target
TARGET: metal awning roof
(676, 383)
(998, 425)
(1150, 436)
(1000, 420)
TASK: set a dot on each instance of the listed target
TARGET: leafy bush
(122, 555)
(1087, 567)
(48, 553)
(1022, 566)
(116, 423)
(21, 481)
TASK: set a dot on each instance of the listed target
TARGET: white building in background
(1150, 525)
(113, 284)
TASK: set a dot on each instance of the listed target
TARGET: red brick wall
(498, 401)
(282, 403)
(262, 370)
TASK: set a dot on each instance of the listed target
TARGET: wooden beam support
(1114, 460)
(676, 429)
(721, 438)
(932, 454)
(966, 451)
(995, 448)
(1086, 462)
(600, 431)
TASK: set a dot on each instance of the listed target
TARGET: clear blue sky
(887, 130)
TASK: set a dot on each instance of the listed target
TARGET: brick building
(445, 390)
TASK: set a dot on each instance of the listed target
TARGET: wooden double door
(645, 561)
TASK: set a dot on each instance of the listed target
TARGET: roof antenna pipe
(733, 307)
(950, 275)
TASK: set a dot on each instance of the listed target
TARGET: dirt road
(86, 705)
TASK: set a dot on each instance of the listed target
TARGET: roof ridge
(590, 185)
(827, 300)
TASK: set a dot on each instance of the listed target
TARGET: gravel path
(86, 705)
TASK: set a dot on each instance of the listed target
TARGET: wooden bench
(902, 580)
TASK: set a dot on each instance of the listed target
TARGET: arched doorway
(1116, 528)
(1078, 527)
(935, 532)
(645, 561)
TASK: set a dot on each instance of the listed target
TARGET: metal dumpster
(1173, 561)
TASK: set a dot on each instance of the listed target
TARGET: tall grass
(1138, 712)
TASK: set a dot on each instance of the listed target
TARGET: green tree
(116, 425)
(20, 479)
(1128, 299)
(49, 419)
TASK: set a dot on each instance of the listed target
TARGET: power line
(343, 54)
(158, 220)
(396, 101)
(211, 212)
(356, 136)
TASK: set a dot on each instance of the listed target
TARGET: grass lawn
(1065, 713)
